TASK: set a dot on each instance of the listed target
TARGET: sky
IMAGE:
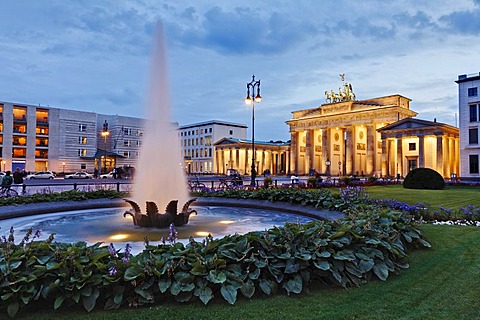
(94, 55)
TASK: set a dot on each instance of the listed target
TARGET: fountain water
(159, 177)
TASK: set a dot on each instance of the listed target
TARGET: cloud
(463, 22)
(243, 30)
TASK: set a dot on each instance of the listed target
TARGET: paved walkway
(8, 212)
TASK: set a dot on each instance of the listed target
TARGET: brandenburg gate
(340, 137)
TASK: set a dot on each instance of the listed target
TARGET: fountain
(160, 220)
(159, 176)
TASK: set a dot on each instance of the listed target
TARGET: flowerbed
(370, 242)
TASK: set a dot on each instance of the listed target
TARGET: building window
(139, 143)
(473, 136)
(472, 92)
(126, 154)
(210, 152)
(83, 166)
(473, 113)
(412, 164)
(82, 127)
(201, 131)
(412, 146)
(82, 152)
(231, 132)
(82, 140)
(473, 163)
(127, 143)
(127, 131)
(139, 133)
(210, 130)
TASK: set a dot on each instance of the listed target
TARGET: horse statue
(329, 97)
(159, 220)
(349, 95)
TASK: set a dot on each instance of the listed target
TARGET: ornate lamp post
(327, 164)
(63, 164)
(256, 97)
(339, 168)
(105, 133)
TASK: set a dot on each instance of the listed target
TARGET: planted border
(370, 242)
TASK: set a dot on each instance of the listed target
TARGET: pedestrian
(7, 180)
(17, 176)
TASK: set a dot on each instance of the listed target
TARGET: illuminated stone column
(399, 156)
(247, 165)
(384, 156)
(217, 161)
(293, 152)
(370, 165)
(349, 150)
(287, 162)
(421, 151)
(237, 159)
(326, 149)
(308, 150)
(440, 156)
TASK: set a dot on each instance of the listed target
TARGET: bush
(424, 178)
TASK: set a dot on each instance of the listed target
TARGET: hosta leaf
(229, 293)
(164, 284)
(205, 294)
(366, 265)
(265, 286)
(58, 302)
(216, 276)
(248, 289)
(294, 285)
(198, 269)
(381, 271)
(254, 274)
(292, 266)
(132, 273)
(146, 294)
(322, 265)
(324, 254)
(89, 301)
(12, 309)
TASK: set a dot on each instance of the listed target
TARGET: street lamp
(251, 100)
(327, 164)
(63, 164)
(105, 133)
(339, 168)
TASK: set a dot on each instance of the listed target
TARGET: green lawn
(451, 197)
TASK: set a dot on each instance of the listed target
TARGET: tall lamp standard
(105, 133)
(251, 100)
(63, 164)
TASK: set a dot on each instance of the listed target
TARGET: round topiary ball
(424, 178)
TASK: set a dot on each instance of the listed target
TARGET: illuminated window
(19, 152)
(412, 146)
(41, 130)
(41, 154)
(41, 142)
(82, 127)
(82, 140)
(126, 154)
(82, 152)
(139, 133)
(19, 141)
(19, 128)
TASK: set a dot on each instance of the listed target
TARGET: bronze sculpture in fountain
(159, 220)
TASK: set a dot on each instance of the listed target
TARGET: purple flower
(172, 236)
(128, 250)
(112, 271)
(111, 250)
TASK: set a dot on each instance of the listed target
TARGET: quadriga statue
(155, 219)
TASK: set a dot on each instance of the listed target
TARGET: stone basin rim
(22, 210)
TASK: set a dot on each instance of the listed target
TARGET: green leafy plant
(424, 178)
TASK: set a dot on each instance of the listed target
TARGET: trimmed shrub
(424, 178)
